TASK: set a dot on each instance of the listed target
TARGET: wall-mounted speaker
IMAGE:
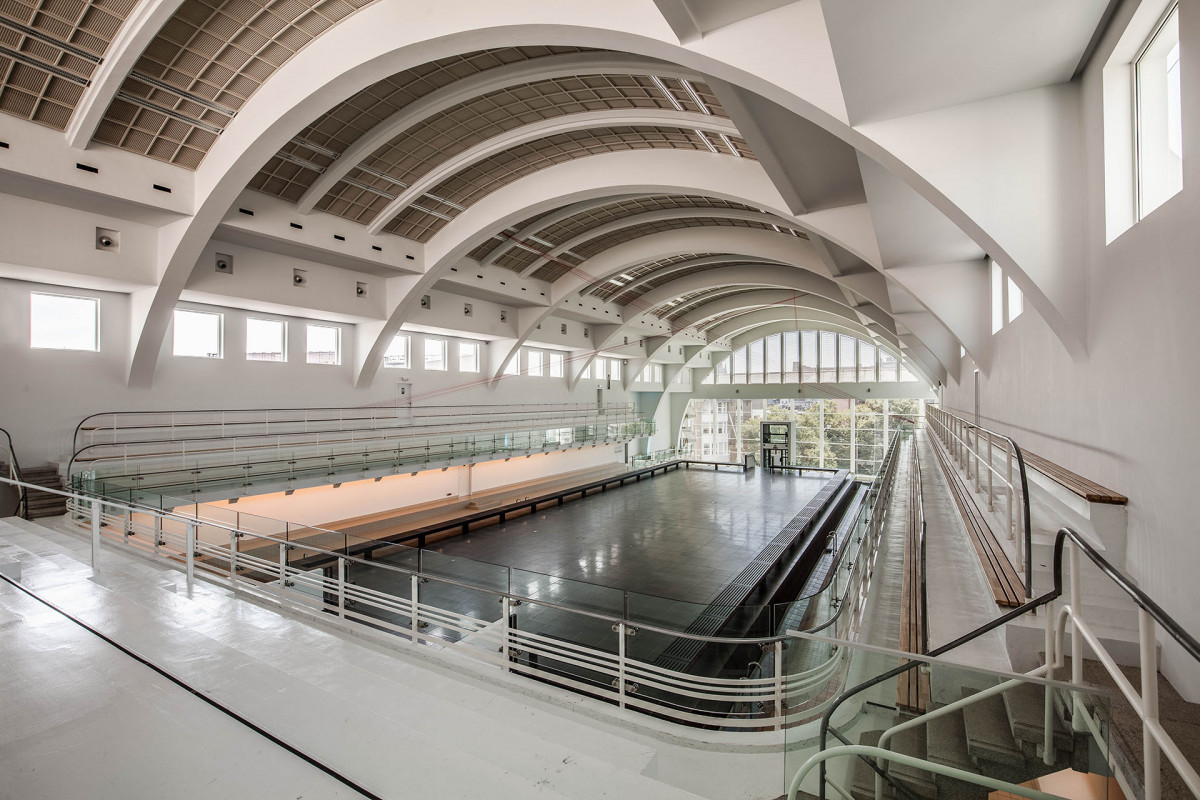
(425, 303)
(224, 264)
(108, 240)
(587, 334)
(468, 310)
(299, 277)
(563, 328)
(360, 289)
(503, 315)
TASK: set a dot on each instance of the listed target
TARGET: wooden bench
(912, 687)
(1006, 584)
(1088, 490)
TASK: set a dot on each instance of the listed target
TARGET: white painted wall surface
(1124, 415)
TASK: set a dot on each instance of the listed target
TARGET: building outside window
(324, 344)
(396, 356)
(435, 355)
(533, 363)
(58, 322)
(197, 334)
(468, 356)
(1158, 101)
(266, 340)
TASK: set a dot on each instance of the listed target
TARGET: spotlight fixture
(337, 486)
(289, 492)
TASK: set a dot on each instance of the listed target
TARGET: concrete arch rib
(135, 36)
(545, 221)
(665, 215)
(473, 86)
(803, 271)
(691, 263)
(541, 130)
(385, 38)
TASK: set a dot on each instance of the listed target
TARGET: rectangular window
(828, 357)
(196, 334)
(1158, 99)
(887, 367)
(435, 355)
(906, 375)
(266, 340)
(533, 363)
(57, 322)
(513, 367)
(756, 358)
(324, 344)
(739, 365)
(556, 364)
(997, 298)
(721, 372)
(468, 356)
(791, 356)
(808, 357)
(847, 358)
(396, 356)
(866, 362)
(614, 369)
(1016, 301)
(651, 374)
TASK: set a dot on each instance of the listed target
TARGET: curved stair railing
(1156, 741)
(14, 472)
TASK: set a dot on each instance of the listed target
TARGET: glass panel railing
(941, 729)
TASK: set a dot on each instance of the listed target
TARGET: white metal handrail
(177, 538)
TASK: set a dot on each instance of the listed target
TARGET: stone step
(989, 733)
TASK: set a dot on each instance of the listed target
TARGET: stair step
(989, 735)
(946, 741)
(863, 785)
(1025, 705)
(912, 742)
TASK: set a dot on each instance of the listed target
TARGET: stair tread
(989, 734)
(862, 787)
(946, 741)
(1025, 705)
(912, 742)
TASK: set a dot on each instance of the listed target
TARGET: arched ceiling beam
(692, 263)
(767, 244)
(542, 129)
(545, 221)
(138, 30)
(663, 215)
(472, 86)
(778, 276)
(385, 38)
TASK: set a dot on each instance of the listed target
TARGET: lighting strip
(729, 144)
(346, 179)
(34, 33)
(662, 87)
(316, 148)
(300, 162)
(711, 146)
(57, 72)
(169, 112)
(695, 97)
(142, 77)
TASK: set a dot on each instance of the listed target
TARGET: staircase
(44, 504)
(999, 736)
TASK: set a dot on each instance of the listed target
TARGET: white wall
(1123, 416)
(44, 394)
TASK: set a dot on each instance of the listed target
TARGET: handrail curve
(22, 508)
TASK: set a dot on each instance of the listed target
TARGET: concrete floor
(82, 720)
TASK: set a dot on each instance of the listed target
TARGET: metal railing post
(1048, 703)
(341, 587)
(1152, 775)
(504, 603)
(282, 569)
(991, 472)
(414, 619)
(621, 664)
(190, 558)
(157, 532)
(96, 513)
(233, 559)
(1076, 609)
(779, 685)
